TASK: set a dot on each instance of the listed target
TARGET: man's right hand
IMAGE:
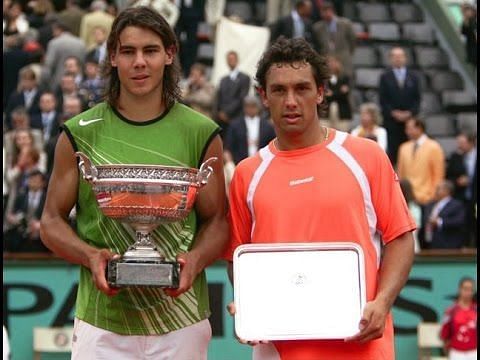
(98, 263)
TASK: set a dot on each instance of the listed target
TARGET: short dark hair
(59, 24)
(300, 3)
(289, 51)
(419, 123)
(327, 5)
(147, 18)
(202, 68)
(232, 52)
(37, 172)
(469, 135)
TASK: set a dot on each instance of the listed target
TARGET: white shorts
(93, 343)
(462, 355)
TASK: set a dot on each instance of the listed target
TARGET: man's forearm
(396, 264)
(211, 240)
(59, 237)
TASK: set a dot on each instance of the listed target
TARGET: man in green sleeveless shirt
(140, 122)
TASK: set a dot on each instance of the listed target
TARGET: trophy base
(143, 272)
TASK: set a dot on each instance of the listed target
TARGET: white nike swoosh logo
(88, 122)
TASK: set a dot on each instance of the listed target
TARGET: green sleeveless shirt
(179, 137)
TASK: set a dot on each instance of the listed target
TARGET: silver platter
(294, 291)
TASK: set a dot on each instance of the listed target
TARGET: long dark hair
(146, 18)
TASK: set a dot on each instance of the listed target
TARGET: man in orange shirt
(312, 183)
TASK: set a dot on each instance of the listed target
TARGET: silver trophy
(144, 196)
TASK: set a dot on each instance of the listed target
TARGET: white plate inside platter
(294, 291)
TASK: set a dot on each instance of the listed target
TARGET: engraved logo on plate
(299, 279)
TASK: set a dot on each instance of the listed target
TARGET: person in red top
(459, 324)
(313, 183)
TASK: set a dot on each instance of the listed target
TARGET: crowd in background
(53, 54)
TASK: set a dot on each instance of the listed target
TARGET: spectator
(39, 10)
(99, 50)
(15, 22)
(24, 220)
(399, 93)
(45, 33)
(277, 9)
(445, 219)
(231, 92)
(335, 36)
(459, 324)
(296, 24)
(337, 95)
(166, 8)
(68, 87)
(15, 57)
(414, 209)
(73, 66)
(248, 133)
(48, 117)
(27, 161)
(72, 16)
(27, 95)
(72, 106)
(62, 46)
(469, 30)
(421, 160)
(21, 121)
(95, 18)
(197, 91)
(370, 119)
(191, 14)
(462, 171)
(92, 87)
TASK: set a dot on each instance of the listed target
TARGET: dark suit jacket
(17, 99)
(344, 41)
(394, 97)
(236, 140)
(231, 93)
(455, 169)
(13, 61)
(451, 234)
(344, 109)
(36, 122)
(21, 204)
(284, 26)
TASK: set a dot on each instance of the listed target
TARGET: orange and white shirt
(343, 189)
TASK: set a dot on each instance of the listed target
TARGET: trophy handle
(89, 171)
(205, 171)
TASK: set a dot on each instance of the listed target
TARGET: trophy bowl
(144, 196)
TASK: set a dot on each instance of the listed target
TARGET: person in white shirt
(370, 119)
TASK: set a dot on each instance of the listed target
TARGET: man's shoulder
(247, 167)
(190, 115)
